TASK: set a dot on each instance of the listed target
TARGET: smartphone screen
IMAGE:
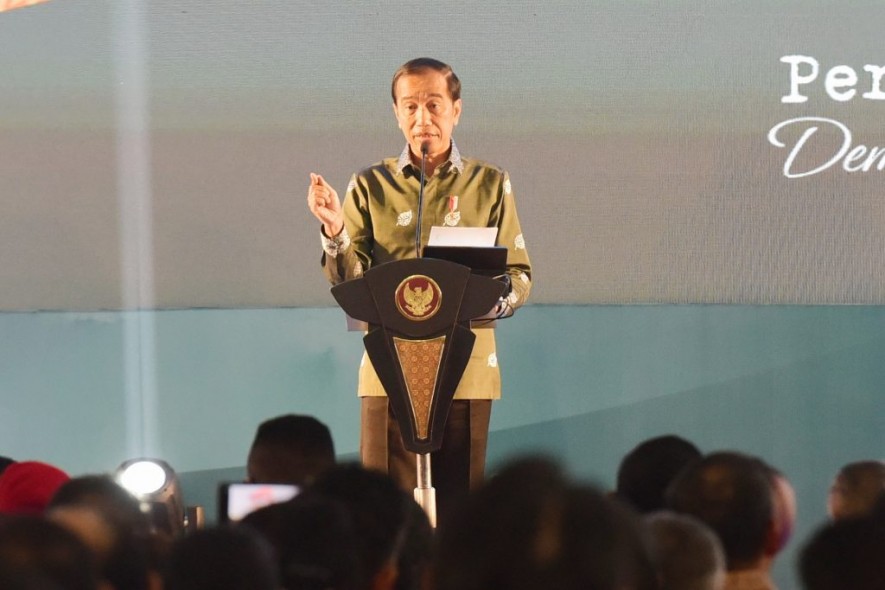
(236, 500)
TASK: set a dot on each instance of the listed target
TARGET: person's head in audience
(26, 581)
(846, 554)
(224, 558)
(36, 553)
(856, 489)
(290, 449)
(26, 487)
(734, 495)
(416, 552)
(4, 463)
(783, 508)
(110, 521)
(647, 470)
(315, 543)
(688, 554)
(528, 527)
(381, 514)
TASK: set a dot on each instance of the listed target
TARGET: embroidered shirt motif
(519, 242)
(404, 219)
(493, 360)
(336, 245)
(507, 187)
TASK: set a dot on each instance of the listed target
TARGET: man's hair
(845, 554)
(118, 506)
(290, 449)
(5, 462)
(732, 494)
(223, 558)
(315, 542)
(647, 470)
(416, 553)
(420, 66)
(861, 484)
(379, 510)
(34, 548)
(688, 554)
(132, 552)
(529, 527)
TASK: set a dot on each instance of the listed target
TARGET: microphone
(425, 145)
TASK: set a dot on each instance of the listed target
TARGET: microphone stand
(425, 494)
(424, 148)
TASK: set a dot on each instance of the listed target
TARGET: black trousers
(456, 468)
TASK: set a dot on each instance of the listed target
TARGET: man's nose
(422, 116)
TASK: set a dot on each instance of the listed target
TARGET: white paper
(475, 237)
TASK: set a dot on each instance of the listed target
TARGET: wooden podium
(419, 341)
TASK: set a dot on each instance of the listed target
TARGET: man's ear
(773, 539)
(396, 114)
(784, 517)
(457, 108)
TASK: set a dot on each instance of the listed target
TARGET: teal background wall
(800, 386)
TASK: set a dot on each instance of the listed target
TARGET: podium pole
(425, 495)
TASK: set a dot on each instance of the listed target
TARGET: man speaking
(377, 223)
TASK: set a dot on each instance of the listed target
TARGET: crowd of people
(678, 518)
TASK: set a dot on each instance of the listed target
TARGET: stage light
(154, 483)
(143, 478)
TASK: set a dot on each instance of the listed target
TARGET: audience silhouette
(726, 517)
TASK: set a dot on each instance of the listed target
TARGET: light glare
(143, 478)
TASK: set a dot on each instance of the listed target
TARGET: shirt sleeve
(510, 235)
(347, 255)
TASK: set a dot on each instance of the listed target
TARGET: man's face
(426, 112)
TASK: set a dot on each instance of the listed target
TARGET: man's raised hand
(323, 202)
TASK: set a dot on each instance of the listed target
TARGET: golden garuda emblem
(418, 297)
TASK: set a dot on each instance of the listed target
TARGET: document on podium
(470, 246)
(473, 247)
(468, 237)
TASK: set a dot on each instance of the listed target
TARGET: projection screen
(156, 154)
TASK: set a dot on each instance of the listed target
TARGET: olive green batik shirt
(379, 226)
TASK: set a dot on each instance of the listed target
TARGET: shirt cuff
(333, 246)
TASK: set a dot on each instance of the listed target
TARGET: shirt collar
(454, 159)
